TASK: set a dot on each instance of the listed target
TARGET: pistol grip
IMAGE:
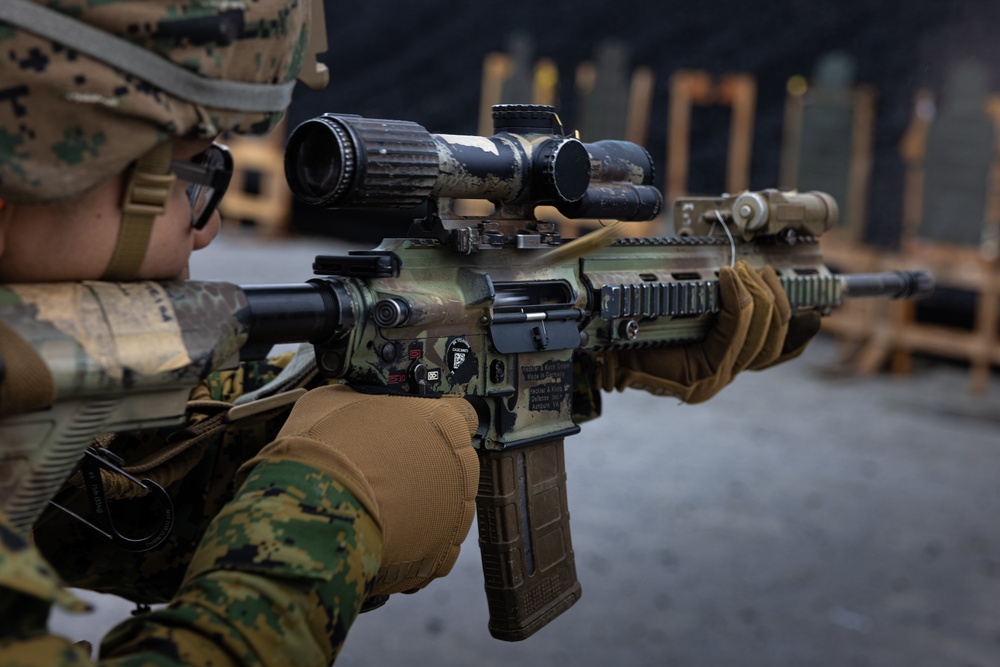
(524, 538)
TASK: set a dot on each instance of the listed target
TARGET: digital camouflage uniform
(275, 575)
(272, 572)
(200, 485)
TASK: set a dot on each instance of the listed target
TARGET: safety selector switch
(417, 376)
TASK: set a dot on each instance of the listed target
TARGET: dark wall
(423, 62)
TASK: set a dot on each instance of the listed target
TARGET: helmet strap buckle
(146, 193)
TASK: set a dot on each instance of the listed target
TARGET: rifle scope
(343, 161)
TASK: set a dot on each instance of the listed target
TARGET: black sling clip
(96, 458)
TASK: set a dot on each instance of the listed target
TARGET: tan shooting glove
(755, 329)
(408, 460)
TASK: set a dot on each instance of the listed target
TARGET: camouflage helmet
(87, 87)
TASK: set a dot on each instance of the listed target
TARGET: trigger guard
(483, 413)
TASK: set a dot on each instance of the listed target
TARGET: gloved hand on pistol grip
(755, 329)
(407, 459)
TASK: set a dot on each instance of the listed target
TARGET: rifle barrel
(892, 284)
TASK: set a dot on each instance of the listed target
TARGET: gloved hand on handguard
(755, 329)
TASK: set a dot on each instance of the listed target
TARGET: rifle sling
(171, 463)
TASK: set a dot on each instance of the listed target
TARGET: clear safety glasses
(208, 174)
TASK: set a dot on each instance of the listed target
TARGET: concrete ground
(795, 519)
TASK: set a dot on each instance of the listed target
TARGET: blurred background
(838, 510)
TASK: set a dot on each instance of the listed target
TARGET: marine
(287, 521)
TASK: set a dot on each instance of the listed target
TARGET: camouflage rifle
(486, 307)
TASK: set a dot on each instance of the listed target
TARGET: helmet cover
(69, 122)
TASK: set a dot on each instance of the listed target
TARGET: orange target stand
(258, 196)
(692, 88)
(951, 226)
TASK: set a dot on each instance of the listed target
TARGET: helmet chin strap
(145, 197)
